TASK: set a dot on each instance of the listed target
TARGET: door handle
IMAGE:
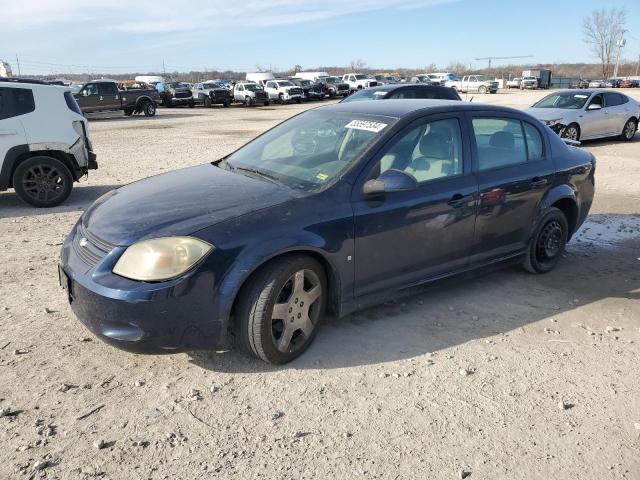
(459, 200)
(537, 182)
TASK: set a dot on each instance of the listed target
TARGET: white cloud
(162, 16)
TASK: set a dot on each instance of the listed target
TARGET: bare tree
(602, 30)
(357, 65)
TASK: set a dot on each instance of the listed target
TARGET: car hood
(549, 113)
(178, 203)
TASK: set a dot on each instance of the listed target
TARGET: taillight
(78, 126)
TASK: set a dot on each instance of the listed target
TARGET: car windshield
(253, 87)
(285, 84)
(367, 94)
(209, 85)
(177, 85)
(304, 83)
(309, 150)
(574, 101)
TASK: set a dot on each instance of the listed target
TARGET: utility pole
(18, 62)
(620, 44)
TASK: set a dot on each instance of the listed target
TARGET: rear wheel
(43, 181)
(281, 307)
(629, 130)
(571, 132)
(149, 109)
(547, 245)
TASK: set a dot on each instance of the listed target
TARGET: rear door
(615, 107)
(11, 130)
(109, 96)
(514, 171)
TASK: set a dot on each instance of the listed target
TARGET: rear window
(71, 103)
(23, 101)
(2, 107)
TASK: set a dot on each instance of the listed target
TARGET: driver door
(405, 238)
(88, 98)
(596, 122)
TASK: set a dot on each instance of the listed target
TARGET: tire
(547, 245)
(267, 103)
(629, 130)
(128, 112)
(281, 99)
(42, 181)
(192, 104)
(207, 101)
(454, 88)
(571, 131)
(226, 104)
(149, 109)
(298, 100)
(278, 283)
(482, 89)
(247, 101)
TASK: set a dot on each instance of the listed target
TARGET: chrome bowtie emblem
(83, 242)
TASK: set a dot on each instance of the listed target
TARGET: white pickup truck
(514, 83)
(358, 81)
(473, 83)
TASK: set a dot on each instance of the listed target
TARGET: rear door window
(500, 142)
(612, 99)
(107, 89)
(23, 101)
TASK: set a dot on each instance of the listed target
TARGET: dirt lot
(505, 375)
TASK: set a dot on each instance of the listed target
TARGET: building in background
(5, 69)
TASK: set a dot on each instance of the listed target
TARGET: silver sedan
(588, 114)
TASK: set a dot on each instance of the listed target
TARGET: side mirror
(390, 181)
(594, 106)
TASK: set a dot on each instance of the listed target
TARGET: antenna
(502, 58)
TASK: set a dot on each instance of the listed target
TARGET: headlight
(161, 258)
(551, 123)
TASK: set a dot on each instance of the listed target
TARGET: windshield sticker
(366, 125)
(322, 176)
(581, 96)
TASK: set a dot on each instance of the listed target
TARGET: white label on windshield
(581, 96)
(366, 125)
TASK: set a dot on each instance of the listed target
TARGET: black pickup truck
(105, 95)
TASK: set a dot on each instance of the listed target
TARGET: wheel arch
(20, 153)
(564, 198)
(227, 310)
(141, 100)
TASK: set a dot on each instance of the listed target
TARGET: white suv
(44, 141)
(283, 91)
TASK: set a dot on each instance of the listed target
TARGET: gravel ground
(503, 375)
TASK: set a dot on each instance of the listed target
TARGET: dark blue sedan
(338, 208)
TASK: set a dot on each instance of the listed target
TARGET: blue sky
(117, 36)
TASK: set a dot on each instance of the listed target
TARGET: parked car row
(614, 83)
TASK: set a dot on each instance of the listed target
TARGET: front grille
(222, 94)
(295, 91)
(343, 86)
(94, 249)
(373, 84)
(182, 94)
(261, 95)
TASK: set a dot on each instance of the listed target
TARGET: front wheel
(629, 130)
(207, 102)
(571, 132)
(43, 181)
(482, 90)
(281, 99)
(192, 104)
(267, 103)
(280, 309)
(548, 242)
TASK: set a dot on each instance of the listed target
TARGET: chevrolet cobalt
(337, 208)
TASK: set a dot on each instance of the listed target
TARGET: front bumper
(180, 101)
(163, 317)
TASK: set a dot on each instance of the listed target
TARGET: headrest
(434, 145)
(502, 139)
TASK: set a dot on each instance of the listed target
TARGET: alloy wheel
(630, 129)
(293, 319)
(43, 183)
(571, 132)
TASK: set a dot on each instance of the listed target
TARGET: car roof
(404, 107)
(398, 86)
(23, 80)
(586, 91)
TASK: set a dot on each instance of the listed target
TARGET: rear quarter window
(23, 101)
